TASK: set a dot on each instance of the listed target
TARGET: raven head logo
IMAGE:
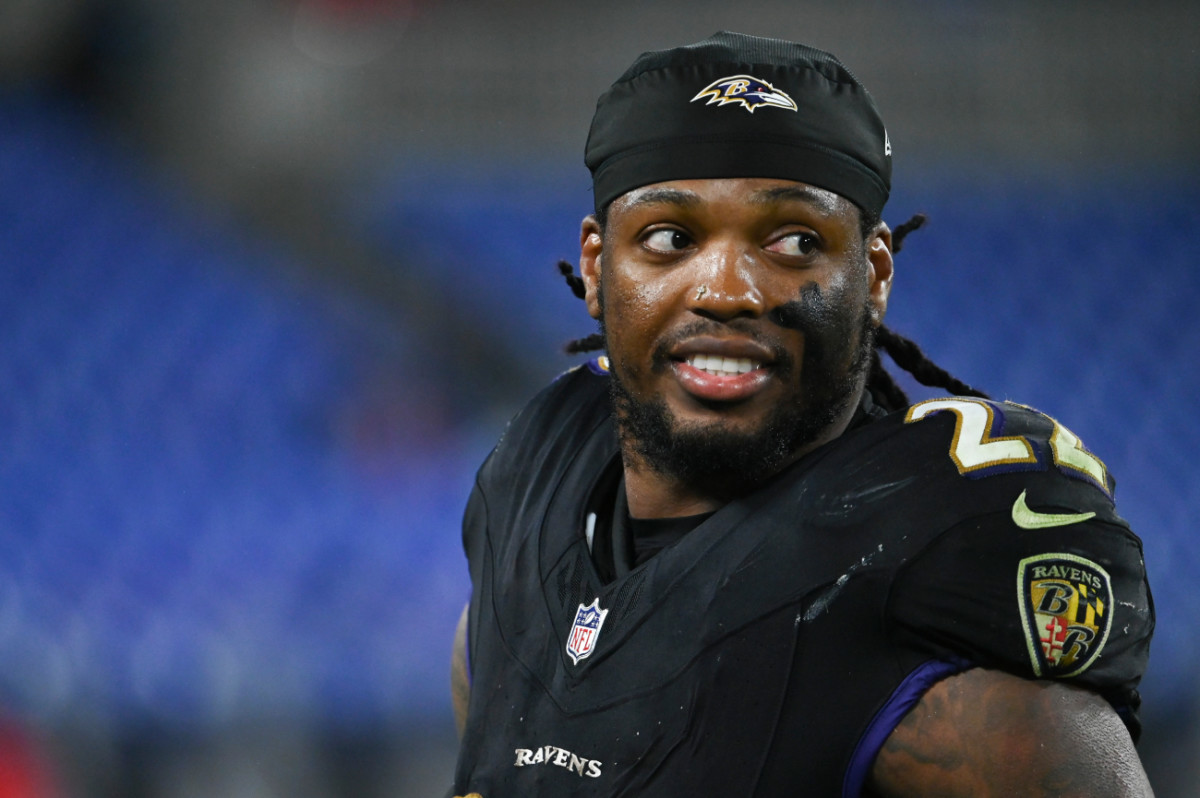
(749, 91)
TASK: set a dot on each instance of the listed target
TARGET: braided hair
(903, 352)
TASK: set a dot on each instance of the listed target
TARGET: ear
(591, 243)
(879, 259)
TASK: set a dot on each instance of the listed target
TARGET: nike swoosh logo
(1025, 518)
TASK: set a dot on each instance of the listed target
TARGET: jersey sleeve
(1043, 580)
(1066, 603)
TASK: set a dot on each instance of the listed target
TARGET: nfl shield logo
(582, 638)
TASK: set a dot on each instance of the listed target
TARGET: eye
(796, 244)
(667, 240)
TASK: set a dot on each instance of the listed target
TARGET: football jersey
(773, 648)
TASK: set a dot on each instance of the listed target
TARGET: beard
(727, 463)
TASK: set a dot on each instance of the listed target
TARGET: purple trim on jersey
(888, 718)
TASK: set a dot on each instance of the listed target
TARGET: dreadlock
(903, 352)
(906, 354)
(594, 341)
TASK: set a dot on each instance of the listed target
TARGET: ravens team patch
(747, 91)
(1066, 612)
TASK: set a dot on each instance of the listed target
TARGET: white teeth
(722, 366)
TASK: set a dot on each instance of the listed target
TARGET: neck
(654, 495)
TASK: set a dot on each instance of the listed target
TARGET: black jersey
(772, 649)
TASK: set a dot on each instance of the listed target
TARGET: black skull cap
(740, 106)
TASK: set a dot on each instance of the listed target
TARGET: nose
(724, 285)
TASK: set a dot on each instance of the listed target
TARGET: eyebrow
(664, 196)
(824, 201)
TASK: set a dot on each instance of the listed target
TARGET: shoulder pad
(1002, 437)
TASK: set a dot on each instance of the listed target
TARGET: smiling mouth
(716, 378)
(720, 366)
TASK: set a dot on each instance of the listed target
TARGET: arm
(460, 683)
(987, 733)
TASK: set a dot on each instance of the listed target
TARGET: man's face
(738, 315)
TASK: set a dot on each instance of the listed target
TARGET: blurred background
(275, 273)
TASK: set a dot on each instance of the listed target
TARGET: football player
(728, 557)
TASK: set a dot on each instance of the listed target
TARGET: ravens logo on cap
(747, 90)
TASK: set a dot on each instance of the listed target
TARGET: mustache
(810, 313)
(749, 328)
